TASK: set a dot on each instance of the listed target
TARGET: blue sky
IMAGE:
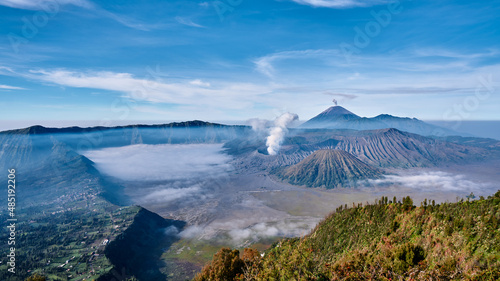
(111, 61)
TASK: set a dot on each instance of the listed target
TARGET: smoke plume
(258, 125)
(278, 132)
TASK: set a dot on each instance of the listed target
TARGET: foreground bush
(384, 241)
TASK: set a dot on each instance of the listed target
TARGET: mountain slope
(329, 168)
(337, 117)
(330, 115)
(386, 148)
(394, 148)
(137, 250)
(385, 241)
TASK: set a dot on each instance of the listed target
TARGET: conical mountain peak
(329, 168)
(331, 115)
(336, 111)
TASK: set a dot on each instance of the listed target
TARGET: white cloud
(450, 78)
(432, 181)
(51, 5)
(410, 71)
(54, 6)
(341, 4)
(265, 64)
(434, 52)
(7, 87)
(197, 92)
(161, 162)
(192, 231)
(163, 194)
(408, 61)
(284, 228)
(265, 228)
(198, 82)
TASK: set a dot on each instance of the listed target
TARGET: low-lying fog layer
(197, 183)
(433, 181)
(143, 162)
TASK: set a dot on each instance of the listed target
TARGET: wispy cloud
(436, 52)
(194, 92)
(416, 60)
(341, 96)
(409, 71)
(7, 87)
(42, 4)
(53, 5)
(188, 22)
(265, 64)
(128, 21)
(342, 4)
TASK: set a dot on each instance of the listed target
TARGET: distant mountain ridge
(20, 146)
(394, 148)
(38, 129)
(337, 117)
(383, 148)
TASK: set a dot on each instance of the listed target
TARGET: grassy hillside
(384, 241)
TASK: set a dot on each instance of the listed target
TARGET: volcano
(337, 117)
(332, 115)
(329, 168)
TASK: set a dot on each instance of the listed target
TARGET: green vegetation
(384, 241)
(67, 244)
(184, 258)
(193, 250)
(36, 277)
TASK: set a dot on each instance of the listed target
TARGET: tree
(407, 203)
(36, 277)
(226, 265)
(470, 196)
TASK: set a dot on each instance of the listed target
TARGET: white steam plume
(278, 132)
(258, 125)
